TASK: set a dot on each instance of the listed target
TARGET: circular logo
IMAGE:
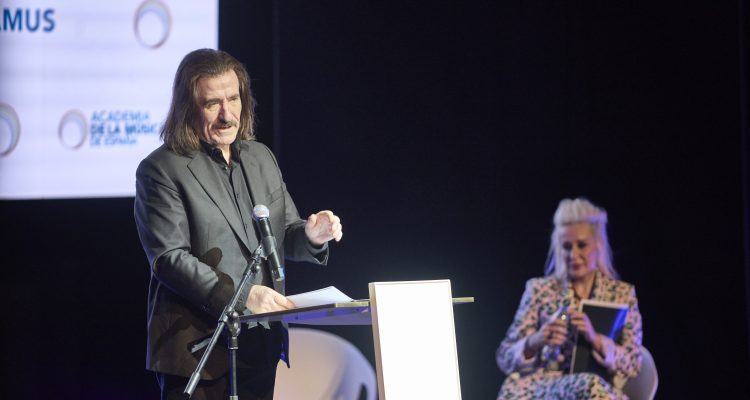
(10, 129)
(152, 24)
(72, 130)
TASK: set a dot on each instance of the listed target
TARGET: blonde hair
(575, 211)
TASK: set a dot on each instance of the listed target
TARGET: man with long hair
(193, 210)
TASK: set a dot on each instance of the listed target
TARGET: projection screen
(84, 88)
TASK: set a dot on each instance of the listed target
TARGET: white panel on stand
(415, 340)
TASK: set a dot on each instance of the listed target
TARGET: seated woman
(580, 267)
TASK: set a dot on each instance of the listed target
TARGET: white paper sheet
(319, 297)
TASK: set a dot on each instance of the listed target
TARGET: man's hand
(322, 227)
(263, 299)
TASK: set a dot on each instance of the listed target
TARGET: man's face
(220, 108)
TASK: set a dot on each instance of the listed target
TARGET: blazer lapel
(251, 171)
(209, 179)
(251, 168)
(603, 289)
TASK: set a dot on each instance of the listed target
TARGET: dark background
(444, 136)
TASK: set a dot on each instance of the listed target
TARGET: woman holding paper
(537, 351)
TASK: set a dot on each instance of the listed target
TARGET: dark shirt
(233, 180)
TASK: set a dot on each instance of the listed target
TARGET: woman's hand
(553, 333)
(583, 324)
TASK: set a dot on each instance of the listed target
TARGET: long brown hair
(179, 131)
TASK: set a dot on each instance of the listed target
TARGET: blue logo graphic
(10, 127)
(152, 24)
(72, 130)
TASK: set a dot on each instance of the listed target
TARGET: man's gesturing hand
(322, 227)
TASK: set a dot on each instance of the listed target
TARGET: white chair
(324, 366)
(643, 386)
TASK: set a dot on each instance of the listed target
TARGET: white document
(319, 297)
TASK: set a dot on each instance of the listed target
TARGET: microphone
(260, 215)
(551, 354)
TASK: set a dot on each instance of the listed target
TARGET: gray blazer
(197, 248)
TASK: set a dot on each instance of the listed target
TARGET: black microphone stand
(229, 319)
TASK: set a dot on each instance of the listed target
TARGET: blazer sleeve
(164, 230)
(509, 355)
(627, 353)
(297, 246)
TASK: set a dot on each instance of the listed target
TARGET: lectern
(413, 333)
